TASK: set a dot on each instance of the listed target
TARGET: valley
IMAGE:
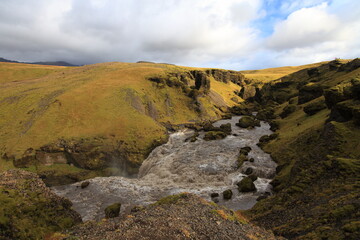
(139, 132)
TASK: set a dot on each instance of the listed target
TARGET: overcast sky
(230, 34)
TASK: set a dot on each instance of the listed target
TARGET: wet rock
(248, 122)
(246, 185)
(193, 138)
(214, 135)
(226, 128)
(241, 159)
(84, 184)
(253, 177)
(227, 194)
(315, 107)
(113, 210)
(245, 150)
(249, 171)
(214, 195)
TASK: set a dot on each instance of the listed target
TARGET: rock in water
(227, 194)
(246, 185)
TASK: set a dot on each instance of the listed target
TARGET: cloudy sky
(231, 34)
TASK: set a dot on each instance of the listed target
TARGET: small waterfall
(201, 167)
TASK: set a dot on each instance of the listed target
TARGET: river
(200, 167)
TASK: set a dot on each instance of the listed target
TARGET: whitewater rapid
(201, 167)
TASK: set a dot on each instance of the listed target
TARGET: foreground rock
(182, 216)
(30, 210)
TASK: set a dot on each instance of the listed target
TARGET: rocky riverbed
(200, 167)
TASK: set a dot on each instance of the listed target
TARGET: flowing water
(201, 167)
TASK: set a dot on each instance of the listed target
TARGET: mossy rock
(274, 125)
(214, 135)
(84, 184)
(246, 185)
(343, 111)
(226, 128)
(310, 92)
(113, 210)
(241, 159)
(288, 110)
(315, 107)
(337, 94)
(227, 194)
(248, 122)
(245, 150)
(266, 114)
(193, 138)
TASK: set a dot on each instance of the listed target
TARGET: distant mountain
(6, 60)
(55, 63)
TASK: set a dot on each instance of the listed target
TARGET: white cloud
(305, 27)
(188, 32)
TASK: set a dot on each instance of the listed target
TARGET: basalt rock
(214, 135)
(227, 194)
(310, 92)
(113, 210)
(248, 122)
(246, 185)
(315, 107)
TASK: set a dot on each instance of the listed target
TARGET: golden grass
(41, 104)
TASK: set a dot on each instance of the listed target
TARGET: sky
(229, 34)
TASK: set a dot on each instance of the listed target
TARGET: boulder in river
(246, 185)
(227, 194)
(214, 135)
(248, 122)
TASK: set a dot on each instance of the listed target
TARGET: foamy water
(201, 167)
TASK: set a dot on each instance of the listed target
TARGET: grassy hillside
(316, 114)
(103, 115)
(269, 74)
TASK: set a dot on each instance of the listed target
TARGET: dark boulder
(84, 184)
(249, 171)
(214, 195)
(245, 150)
(226, 128)
(214, 135)
(246, 185)
(113, 210)
(248, 122)
(227, 194)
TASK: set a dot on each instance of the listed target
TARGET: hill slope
(104, 115)
(316, 114)
(183, 216)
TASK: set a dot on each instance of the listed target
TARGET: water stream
(201, 167)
